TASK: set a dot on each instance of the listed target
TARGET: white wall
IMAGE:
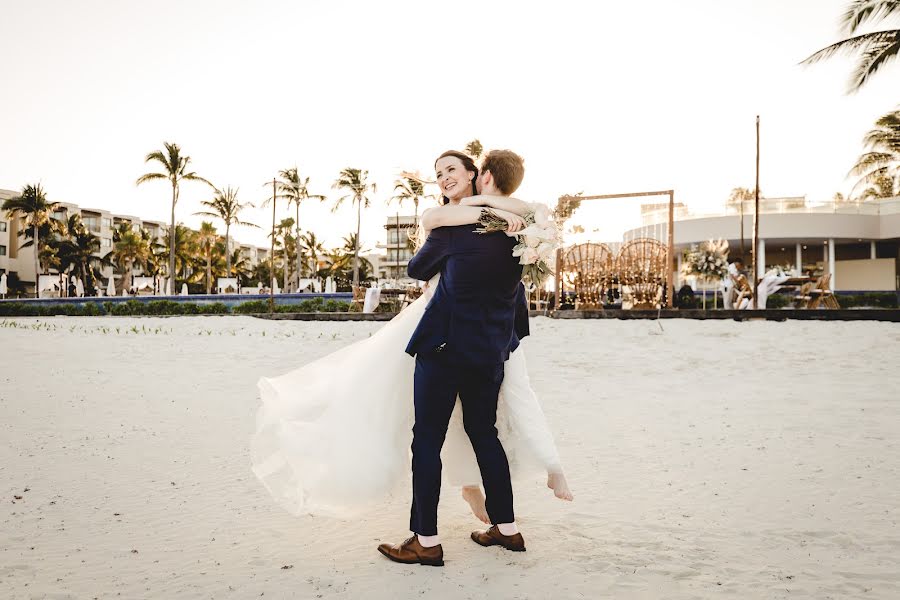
(879, 274)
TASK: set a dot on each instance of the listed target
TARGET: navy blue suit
(475, 318)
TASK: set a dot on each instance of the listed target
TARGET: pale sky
(598, 96)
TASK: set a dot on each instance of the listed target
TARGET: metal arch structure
(670, 276)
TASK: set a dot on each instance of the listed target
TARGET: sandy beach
(708, 459)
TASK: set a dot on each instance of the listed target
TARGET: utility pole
(756, 226)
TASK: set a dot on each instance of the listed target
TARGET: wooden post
(670, 276)
(756, 226)
(272, 253)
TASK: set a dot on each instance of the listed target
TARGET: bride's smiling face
(455, 182)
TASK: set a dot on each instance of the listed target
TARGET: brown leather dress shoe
(493, 537)
(411, 552)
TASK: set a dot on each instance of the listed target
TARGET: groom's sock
(505, 529)
(429, 541)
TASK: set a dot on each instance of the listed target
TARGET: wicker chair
(743, 291)
(822, 294)
(589, 269)
(641, 268)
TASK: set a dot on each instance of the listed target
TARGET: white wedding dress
(333, 436)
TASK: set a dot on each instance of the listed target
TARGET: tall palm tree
(312, 246)
(295, 190)
(408, 188)
(879, 168)
(175, 170)
(129, 250)
(207, 238)
(876, 49)
(356, 182)
(225, 206)
(33, 206)
(474, 149)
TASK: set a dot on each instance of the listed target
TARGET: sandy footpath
(709, 459)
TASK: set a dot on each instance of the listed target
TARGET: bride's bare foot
(472, 494)
(557, 482)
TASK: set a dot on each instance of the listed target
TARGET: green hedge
(163, 307)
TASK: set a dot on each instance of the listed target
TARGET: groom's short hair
(506, 167)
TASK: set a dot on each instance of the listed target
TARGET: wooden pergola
(670, 280)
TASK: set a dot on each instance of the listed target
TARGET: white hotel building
(857, 243)
(98, 221)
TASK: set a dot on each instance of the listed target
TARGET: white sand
(714, 459)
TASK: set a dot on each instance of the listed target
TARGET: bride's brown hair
(468, 164)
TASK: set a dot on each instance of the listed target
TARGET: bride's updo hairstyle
(469, 165)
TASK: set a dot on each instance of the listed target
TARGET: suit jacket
(478, 311)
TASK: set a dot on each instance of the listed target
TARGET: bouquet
(537, 242)
(709, 261)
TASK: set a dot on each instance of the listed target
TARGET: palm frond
(881, 51)
(860, 12)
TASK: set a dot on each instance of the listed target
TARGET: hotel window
(2, 225)
(2, 250)
(105, 243)
(107, 222)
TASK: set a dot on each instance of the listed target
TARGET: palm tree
(881, 187)
(207, 237)
(879, 168)
(738, 197)
(284, 238)
(295, 190)
(408, 188)
(79, 249)
(175, 170)
(875, 49)
(355, 181)
(32, 205)
(313, 247)
(129, 249)
(241, 266)
(185, 245)
(225, 206)
(474, 149)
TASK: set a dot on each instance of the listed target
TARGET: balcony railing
(782, 206)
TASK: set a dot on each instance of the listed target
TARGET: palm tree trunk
(208, 271)
(299, 243)
(172, 244)
(359, 202)
(37, 260)
(227, 249)
(126, 276)
(286, 265)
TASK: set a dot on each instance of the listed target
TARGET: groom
(466, 334)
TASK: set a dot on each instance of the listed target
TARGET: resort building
(399, 247)
(100, 222)
(858, 243)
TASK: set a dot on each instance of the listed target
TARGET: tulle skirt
(333, 436)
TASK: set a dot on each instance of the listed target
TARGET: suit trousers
(439, 378)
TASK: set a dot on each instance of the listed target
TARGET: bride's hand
(513, 221)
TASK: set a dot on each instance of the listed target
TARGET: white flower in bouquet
(545, 250)
(541, 214)
(529, 257)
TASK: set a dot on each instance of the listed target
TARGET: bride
(333, 436)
